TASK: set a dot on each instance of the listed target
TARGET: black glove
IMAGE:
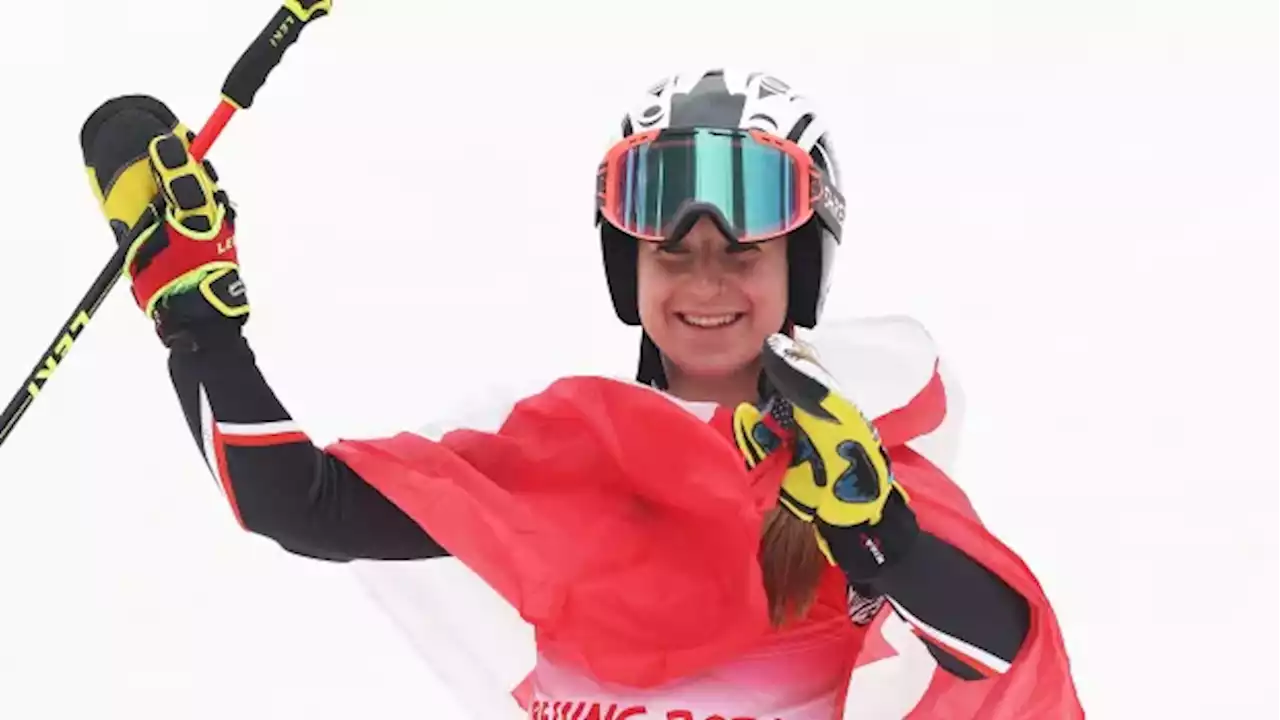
(183, 266)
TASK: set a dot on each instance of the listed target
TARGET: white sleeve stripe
(954, 643)
(208, 443)
(206, 430)
(263, 428)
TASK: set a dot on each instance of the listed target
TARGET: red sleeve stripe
(971, 655)
(279, 432)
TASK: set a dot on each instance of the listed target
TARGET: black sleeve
(278, 483)
(972, 622)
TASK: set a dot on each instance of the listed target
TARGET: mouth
(710, 322)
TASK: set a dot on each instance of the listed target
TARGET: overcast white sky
(1079, 200)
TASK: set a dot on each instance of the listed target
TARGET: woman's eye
(673, 257)
(743, 255)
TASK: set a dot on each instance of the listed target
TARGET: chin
(713, 358)
(701, 366)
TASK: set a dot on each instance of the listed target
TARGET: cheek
(767, 289)
(647, 296)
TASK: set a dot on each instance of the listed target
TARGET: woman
(727, 537)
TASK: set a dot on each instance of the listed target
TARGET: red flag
(625, 530)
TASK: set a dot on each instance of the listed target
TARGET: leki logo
(278, 36)
(60, 350)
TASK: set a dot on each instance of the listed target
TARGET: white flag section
(1077, 200)
(466, 634)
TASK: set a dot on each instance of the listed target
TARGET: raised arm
(185, 275)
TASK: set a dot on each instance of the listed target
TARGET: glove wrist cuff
(158, 269)
(864, 551)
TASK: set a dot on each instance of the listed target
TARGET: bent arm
(278, 483)
(972, 622)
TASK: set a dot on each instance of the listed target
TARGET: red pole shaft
(211, 130)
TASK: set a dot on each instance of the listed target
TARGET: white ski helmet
(723, 98)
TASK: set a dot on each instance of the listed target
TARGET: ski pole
(238, 90)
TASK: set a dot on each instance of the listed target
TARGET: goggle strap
(827, 202)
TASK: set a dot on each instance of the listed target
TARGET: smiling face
(709, 305)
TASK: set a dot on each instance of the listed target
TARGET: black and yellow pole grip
(238, 91)
(256, 63)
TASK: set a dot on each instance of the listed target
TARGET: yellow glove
(183, 265)
(840, 477)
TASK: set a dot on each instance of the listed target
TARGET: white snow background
(1079, 200)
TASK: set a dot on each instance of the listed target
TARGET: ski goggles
(655, 184)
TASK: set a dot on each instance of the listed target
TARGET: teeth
(710, 321)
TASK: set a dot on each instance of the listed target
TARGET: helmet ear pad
(805, 272)
(620, 252)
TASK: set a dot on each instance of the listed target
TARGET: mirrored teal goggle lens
(755, 187)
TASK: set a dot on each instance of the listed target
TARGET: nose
(707, 278)
(705, 243)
